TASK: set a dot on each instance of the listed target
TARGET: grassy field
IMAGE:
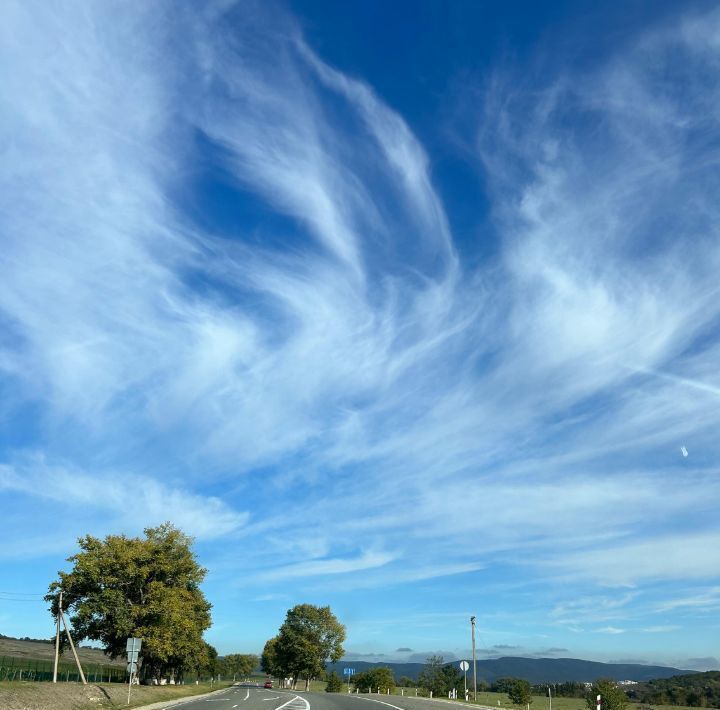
(74, 696)
(37, 650)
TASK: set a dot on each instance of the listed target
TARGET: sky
(407, 308)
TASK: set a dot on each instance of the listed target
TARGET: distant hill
(535, 670)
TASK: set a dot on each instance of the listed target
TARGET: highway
(241, 697)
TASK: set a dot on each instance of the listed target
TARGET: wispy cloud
(319, 341)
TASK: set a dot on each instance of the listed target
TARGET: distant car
(268, 684)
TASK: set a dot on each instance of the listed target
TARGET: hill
(39, 650)
(535, 670)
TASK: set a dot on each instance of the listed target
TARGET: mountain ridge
(534, 670)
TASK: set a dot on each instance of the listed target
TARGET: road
(241, 697)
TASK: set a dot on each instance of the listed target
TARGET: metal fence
(14, 668)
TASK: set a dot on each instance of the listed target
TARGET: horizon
(409, 310)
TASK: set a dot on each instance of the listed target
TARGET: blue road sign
(348, 671)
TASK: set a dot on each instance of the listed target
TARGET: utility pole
(472, 625)
(72, 647)
(57, 639)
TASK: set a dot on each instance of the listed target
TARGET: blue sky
(406, 308)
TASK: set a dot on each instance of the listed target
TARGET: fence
(13, 668)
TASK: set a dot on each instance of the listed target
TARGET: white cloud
(133, 502)
(534, 405)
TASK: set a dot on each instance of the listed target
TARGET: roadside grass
(75, 696)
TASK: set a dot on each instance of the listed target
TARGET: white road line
(360, 697)
(302, 700)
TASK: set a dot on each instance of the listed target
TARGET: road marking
(360, 697)
(277, 697)
(295, 699)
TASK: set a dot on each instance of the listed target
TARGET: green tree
(380, 677)
(519, 692)
(269, 662)
(613, 697)
(334, 683)
(309, 637)
(240, 664)
(439, 677)
(145, 587)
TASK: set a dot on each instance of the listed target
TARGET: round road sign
(464, 665)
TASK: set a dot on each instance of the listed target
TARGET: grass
(74, 696)
(45, 651)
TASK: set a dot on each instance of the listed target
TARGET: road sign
(132, 667)
(133, 644)
(132, 656)
(464, 665)
(348, 671)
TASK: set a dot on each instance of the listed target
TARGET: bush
(334, 683)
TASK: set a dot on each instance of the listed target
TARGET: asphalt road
(250, 698)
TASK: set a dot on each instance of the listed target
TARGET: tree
(439, 677)
(519, 692)
(148, 588)
(613, 698)
(380, 677)
(269, 662)
(309, 637)
(240, 664)
(334, 683)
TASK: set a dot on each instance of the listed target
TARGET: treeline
(436, 676)
(699, 690)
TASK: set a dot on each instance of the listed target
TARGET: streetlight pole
(472, 625)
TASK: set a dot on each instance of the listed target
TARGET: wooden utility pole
(72, 646)
(61, 617)
(472, 624)
(57, 639)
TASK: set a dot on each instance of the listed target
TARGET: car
(268, 684)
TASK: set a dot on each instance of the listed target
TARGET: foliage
(406, 682)
(148, 588)
(240, 664)
(519, 692)
(696, 690)
(309, 637)
(334, 683)
(613, 697)
(439, 677)
(380, 677)
(503, 685)
(269, 661)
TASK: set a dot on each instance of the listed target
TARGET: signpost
(348, 672)
(133, 652)
(464, 665)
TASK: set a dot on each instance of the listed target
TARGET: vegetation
(439, 677)
(334, 683)
(374, 678)
(239, 664)
(696, 690)
(519, 692)
(148, 588)
(309, 637)
(613, 697)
